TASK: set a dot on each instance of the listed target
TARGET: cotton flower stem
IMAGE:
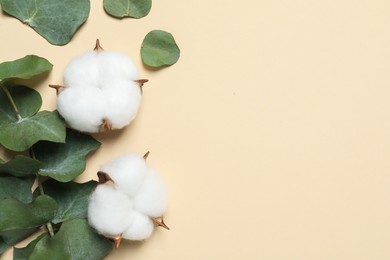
(98, 48)
(42, 192)
(6, 91)
(160, 222)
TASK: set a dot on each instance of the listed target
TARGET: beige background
(272, 131)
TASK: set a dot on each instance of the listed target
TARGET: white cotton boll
(109, 211)
(151, 199)
(123, 102)
(128, 172)
(82, 108)
(141, 227)
(82, 70)
(117, 65)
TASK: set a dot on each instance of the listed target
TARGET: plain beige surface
(272, 131)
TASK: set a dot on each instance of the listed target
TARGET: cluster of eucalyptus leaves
(58, 20)
(37, 191)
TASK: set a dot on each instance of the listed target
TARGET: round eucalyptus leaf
(20, 166)
(72, 198)
(54, 20)
(24, 68)
(21, 126)
(75, 240)
(128, 8)
(15, 215)
(159, 49)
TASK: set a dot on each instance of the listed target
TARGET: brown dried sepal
(160, 222)
(104, 177)
(140, 83)
(117, 240)
(146, 155)
(98, 47)
(106, 125)
(58, 88)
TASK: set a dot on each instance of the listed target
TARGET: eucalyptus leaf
(24, 68)
(20, 166)
(16, 216)
(55, 20)
(128, 8)
(17, 188)
(72, 198)
(11, 238)
(75, 240)
(64, 162)
(21, 126)
(25, 252)
(159, 49)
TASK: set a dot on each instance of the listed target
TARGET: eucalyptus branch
(6, 91)
(42, 192)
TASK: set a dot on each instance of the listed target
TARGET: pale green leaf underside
(128, 8)
(24, 68)
(55, 20)
(64, 162)
(159, 48)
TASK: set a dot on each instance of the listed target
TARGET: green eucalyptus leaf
(21, 127)
(75, 240)
(55, 20)
(17, 188)
(20, 166)
(16, 216)
(159, 49)
(128, 8)
(24, 68)
(25, 252)
(64, 162)
(11, 238)
(72, 198)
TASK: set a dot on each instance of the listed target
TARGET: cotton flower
(135, 196)
(102, 91)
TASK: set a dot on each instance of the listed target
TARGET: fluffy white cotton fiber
(134, 184)
(127, 172)
(109, 91)
(109, 210)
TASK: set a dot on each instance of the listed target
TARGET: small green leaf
(20, 166)
(76, 240)
(16, 216)
(55, 20)
(24, 68)
(25, 252)
(17, 188)
(64, 162)
(22, 128)
(72, 198)
(128, 8)
(159, 48)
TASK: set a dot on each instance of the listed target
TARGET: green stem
(6, 91)
(42, 192)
